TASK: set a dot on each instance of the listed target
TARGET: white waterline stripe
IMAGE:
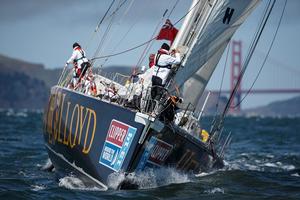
(77, 168)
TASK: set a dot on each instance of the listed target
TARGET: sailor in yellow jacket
(204, 135)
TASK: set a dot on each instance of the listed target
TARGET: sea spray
(74, 183)
(149, 178)
(48, 166)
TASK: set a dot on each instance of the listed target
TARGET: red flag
(167, 32)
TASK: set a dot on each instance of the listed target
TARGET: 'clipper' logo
(116, 146)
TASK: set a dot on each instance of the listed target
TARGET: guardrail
(145, 101)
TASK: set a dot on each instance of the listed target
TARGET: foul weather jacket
(163, 65)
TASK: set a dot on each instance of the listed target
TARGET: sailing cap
(76, 45)
(165, 46)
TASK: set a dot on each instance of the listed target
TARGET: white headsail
(206, 31)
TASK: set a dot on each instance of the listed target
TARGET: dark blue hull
(94, 139)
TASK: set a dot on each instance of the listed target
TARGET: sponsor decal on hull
(156, 153)
(117, 143)
(68, 123)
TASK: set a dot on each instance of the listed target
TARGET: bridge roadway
(262, 91)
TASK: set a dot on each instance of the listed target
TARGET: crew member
(204, 135)
(151, 60)
(161, 69)
(168, 113)
(81, 63)
(90, 85)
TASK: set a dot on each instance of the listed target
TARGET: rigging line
(100, 22)
(254, 42)
(151, 43)
(147, 52)
(125, 51)
(120, 41)
(250, 51)
(186, 13)
(124, 36)
(261, 25)
(118, 8)
(144, 43)
(112, 16)
(245, 64)
(265, 59)
(174, 6)
(141, 59)
(223, 75)
(127, 9)
(103, 38)
(105, 35)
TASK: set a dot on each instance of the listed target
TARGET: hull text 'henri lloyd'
(117, 144)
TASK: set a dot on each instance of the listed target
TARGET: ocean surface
(263, 162)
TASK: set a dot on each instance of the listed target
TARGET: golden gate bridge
(235, 69)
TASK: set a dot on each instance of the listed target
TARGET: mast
(186, 27)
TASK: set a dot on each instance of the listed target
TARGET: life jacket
(157, 56)
(151, 60)
(77, 70)
(82, 54)
(111, 92)
(93, 88)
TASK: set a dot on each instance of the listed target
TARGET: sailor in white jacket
(81, 63)
(163, 62)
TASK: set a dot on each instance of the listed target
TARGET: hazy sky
(43, 31)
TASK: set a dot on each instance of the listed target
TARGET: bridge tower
(236, 66)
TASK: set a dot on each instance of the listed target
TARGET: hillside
(23, 84)
(35, 71)
(290, 107)
(285, 108)
(27, 85)
(17, 90)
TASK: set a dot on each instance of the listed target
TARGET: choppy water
(263, 162)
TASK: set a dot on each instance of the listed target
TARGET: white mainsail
(206, 31)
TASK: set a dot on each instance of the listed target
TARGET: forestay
(206, 31)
